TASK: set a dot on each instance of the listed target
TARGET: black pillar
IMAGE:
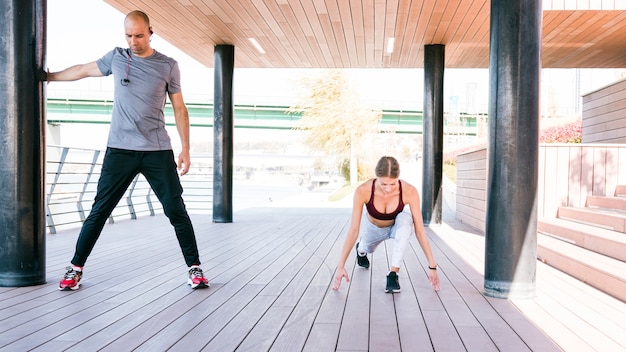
(223, 127)
(22, 143)
(511, 222)
(432, 134)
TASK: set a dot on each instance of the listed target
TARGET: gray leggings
(400, 231)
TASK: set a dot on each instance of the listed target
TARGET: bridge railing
(72, 176)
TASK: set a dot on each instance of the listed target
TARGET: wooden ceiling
(354, 33)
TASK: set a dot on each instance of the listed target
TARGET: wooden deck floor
(270, 272)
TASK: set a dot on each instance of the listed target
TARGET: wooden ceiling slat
(567, 51)
(331, 43)
(408, 36)
(379, 31)
(444, 21)
(459, 34)
(421, 17)
(348, 32)
(476, 54)
(334, 16)
(402, 18)
(463, 11)
(324, 21)
(590, 35)
(391, 19)
(306, 31)
(286, 40)
(318, 40)
(354, 33)
(552, 33)
(434, 21)
(356, 10)
(475, 37)
(272, 41)
(368, 32)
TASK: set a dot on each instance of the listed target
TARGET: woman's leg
(372, 236)
(401, 233)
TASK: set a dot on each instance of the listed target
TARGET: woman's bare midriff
(380, 223)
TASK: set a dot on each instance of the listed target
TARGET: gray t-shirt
(141, 87)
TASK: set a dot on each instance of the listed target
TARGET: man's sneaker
(362, 260)
(197, 279)
(71, 279)
(392, 283)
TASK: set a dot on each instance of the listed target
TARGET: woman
(385, 198)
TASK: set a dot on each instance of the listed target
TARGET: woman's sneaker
(393, 285)
(362, 260)
(71, 279)
(197, 279)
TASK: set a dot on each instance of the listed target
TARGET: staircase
(589, 243)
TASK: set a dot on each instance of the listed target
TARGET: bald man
(138, 142)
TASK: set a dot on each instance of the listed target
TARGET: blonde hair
(387, 166)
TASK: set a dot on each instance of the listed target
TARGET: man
(138, 142)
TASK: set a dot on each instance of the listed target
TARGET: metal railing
(72, 176)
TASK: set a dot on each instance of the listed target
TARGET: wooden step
(620, 190)
(597, 239)
(604, 273)
(617, 203)
(608, 218)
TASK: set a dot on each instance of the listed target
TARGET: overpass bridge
(62, 111)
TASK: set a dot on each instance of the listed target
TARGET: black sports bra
(371, 209)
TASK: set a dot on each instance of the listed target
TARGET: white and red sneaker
(71, 279)
(196, 278)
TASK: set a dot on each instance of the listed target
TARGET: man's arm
(181, 116)
(75, 72)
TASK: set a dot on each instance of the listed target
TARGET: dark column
(511, 222)
(432, 134)
(22, 143)
(224, 63)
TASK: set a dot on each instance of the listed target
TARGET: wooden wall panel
(568, 173)
(471, 188)
(604, 114)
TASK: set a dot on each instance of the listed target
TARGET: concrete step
(608, 218)
(620, 190)
(617, 203)
(604, 273)
(596, 239)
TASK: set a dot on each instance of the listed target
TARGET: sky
(81, 31)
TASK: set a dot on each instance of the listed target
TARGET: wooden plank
(574, 194)
(354, 334)
(563, 169)
(599, 172)
(251, 306)
(383, 327)
(469, 249)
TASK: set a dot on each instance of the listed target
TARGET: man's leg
(119, 167)
(118, 170)
(159, 169)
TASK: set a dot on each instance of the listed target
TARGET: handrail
(71, 181)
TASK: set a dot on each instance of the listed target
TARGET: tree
(334, 117)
